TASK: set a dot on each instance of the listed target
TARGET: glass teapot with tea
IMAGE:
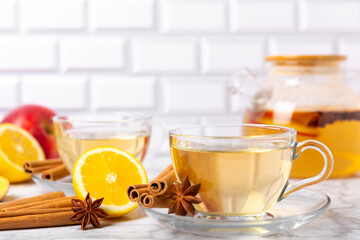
(310, 94)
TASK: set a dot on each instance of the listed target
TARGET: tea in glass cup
(78, 133)
(243, 169)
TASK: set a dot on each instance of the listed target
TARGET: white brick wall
(7, 14)
(164, 55)
(193, 95)
(27, 53)
(260, 16)
(110, 92)
(171, 58)
(51, 14)
(89, 53)
(193, 16)
(58, 92)
(9, 86)
(350, 46)
(330, 16)
(226, 55)
(125, 14)
(308, 45)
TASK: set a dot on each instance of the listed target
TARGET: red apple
(37, 120)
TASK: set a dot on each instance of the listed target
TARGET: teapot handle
(240, 78)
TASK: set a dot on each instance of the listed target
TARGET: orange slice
(16, 147)
(107, 172)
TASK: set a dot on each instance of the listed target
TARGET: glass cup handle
(323, 175)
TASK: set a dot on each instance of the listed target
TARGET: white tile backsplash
(226, 55)
(194, 95)
(167, 57)
(193, 16)
(7, 14)
(164, 55)
(78, 53)
(9, 86)
(351, 48)
(302, 45)
(58, 92)
(27, 53)
(330, 15)
(51, 14)
(123, 92)
(121, 14)
(260, 16)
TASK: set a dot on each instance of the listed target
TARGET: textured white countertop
(340, 221)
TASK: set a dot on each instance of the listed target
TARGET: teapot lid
(309, 60)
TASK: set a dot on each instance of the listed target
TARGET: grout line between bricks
(198, 56)
(227, 16)
(17, 16)
(127, 57)
(157, 96)
(157, 16)
(86, 10)
(298, 16)
(88, 94)
(19, 90)
(57, 56)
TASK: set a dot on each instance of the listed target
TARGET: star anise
(88, 211)
(184, 197)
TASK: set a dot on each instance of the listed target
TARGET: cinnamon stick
(23, 212)
(55, 173)
(58, 202)
(161, 183)
(47, 162)
(33, 167)
(61, 203)
(31, 171)
(151, 201)
(35, 199)
(135, 191)
(38, 220)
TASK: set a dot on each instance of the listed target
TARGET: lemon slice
(107, 172)
(16, 147)
(4, 187)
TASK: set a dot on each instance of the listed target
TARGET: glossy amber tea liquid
(338, 130)
(236, 182)
(74, 143)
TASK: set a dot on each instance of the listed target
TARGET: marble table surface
(340, 221)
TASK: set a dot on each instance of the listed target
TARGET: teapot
(310, 94)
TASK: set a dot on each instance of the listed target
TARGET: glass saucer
(64, 184)
(297, 209)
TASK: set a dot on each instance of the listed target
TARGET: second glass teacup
(243, 169)
(77, 133)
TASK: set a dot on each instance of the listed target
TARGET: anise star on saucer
(88, 211)
(184, 197)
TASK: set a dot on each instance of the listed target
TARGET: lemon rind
(33, 140)
(80, 190)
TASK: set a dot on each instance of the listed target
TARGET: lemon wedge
(106, 172)
(16, 147)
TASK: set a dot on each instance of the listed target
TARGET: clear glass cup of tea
(243, 169)
(77, 133)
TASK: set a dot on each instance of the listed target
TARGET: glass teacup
(243, 169)
(77, 133)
